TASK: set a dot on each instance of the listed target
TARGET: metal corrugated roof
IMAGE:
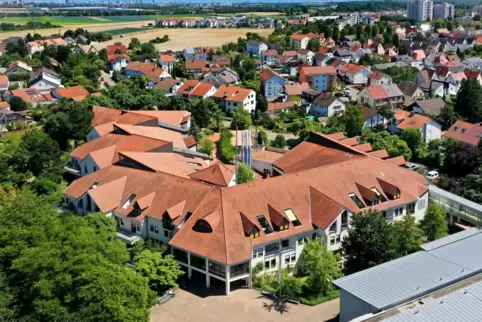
(464, 305)
(413, 276)
(455, 198)
(450, 239)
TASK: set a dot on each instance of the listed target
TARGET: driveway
(106, 78)
(240, 305)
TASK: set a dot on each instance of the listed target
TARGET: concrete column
(250, 278)
(189, 269)
(208, 278)
(228, 277)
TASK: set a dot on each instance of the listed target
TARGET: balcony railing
(128, 237)
(238, 270)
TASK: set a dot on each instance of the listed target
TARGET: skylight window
(95, 185)
(129, 201)
(292, 217)
(356, 200)
(264, 224)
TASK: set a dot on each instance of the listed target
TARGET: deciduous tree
(434, 225)
(244, 174)
(354, 120)
(241, 119)
(405, 236)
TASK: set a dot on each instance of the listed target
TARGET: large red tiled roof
(75, 92)
(195, 64)
(413, 121)
(465, 132)
(218, 174)
(232, 93)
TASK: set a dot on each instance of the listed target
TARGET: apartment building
(421, 10)
(222, 232)
(272, 84)
(299, 41)
(321, 78)
(443, 11)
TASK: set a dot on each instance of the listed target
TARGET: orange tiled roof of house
(413, 121)
(418, 54)
(202, 89)
(114, 57)
(219, 174)
(377, 92)
(175, 118)
(232, 93)
(195, 64)
(31, 95)
(167, 58)
(188, 87)
(295, 89)
(153, 72)
(154, 132)
(465, 132)
(316, 70)
(4, 105)
(273, 107)
(270, 52)
(351, 68)
(268, 73)
(4, 80)
(104, 115)
(74, 92)
(377, 75)
(298, 36)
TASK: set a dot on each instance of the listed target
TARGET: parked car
(432, 175)
(410, 166)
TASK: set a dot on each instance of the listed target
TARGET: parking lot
(241, 305)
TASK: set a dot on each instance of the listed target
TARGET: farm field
(182, 38)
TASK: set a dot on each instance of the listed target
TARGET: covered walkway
(457, 208)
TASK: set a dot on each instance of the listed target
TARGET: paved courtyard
(241, 305)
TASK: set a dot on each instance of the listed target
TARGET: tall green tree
(354, 120)
(391, 142)
(471, 187)
(17, 104)
(469, 100)
(206, 113)
(279, 141)
(161, 272)
(413, 137)
(405, 237)
(365, 245)
(434, 225)
(321, 266)
(244, 174)
(62, 267)
(241, 119)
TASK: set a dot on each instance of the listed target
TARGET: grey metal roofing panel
(450, 239)
(454, 197)
(464, 253)
(401, 280)
(464, 305)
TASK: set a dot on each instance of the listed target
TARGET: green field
(121, 31)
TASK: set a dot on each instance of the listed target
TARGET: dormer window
(264, 224)
(137, 210)
(455, 128)
(203, 226)
(356, 200)
(396, 196)
(254, 235)
(129, 201)
(292, 217)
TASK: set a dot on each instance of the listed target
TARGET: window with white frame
(421, 204)
(257, 252)
(301, 240)
(290, 259)
(270, 264)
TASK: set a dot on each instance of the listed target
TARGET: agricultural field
(57, 20)
(123, 31)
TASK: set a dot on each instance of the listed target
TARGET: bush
(263, 138)
(321, 299)
(279, 141)
(226, 153)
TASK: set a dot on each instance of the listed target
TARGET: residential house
(195, 66)
(299, 41)
(321, 59)
(293, 91)
(195, 89)
(18, 67)
(31, 96)
(465, 133)
(221, 60)
(305, 56)
(45, 80)
(272, 84)
(411, 92)
(373, 118)
(231, 98)
(403, 120)
(255, 47)
(269, 57)
(152, 72)
(118, 61)
(354, 74)
(473, 75)
(275, 107)
(170, 86)
(379, 95)
(76, 93)
(342, 54)
(379, 78)
(321, 78)
(10, 118)
(326, 105)
(166, 62)
(116, 49)
(4, 83)
(189, 53)
(221, 76)
(35, 47)
(432, 107)
(55, 42)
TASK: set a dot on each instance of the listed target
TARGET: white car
(432, 175)
(410, 166)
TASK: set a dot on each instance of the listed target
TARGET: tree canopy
(434, 225)
(391, 142)
(244, 174)
(469, 100)
(354, 120)
(405, 236)
(241, 119)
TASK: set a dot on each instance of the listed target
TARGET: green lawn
(58, 20)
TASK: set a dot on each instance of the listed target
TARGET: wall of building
(352, 307)
(273, 87)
